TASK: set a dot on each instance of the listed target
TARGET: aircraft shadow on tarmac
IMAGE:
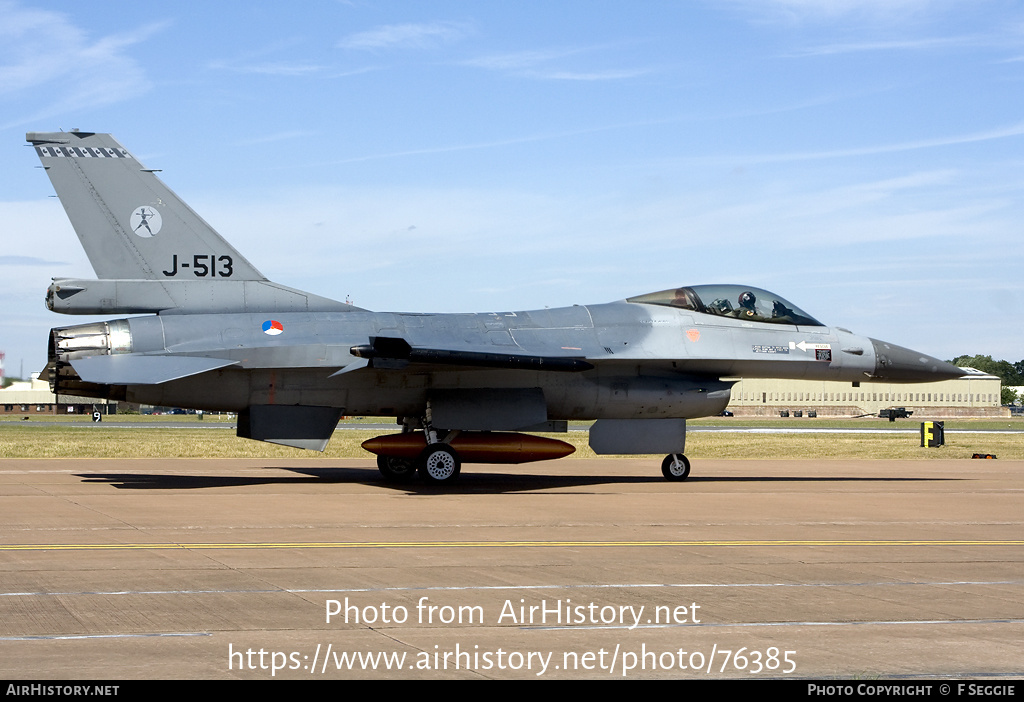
(490, 482)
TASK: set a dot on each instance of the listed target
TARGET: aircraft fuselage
(650, 361)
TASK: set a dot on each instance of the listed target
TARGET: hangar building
(977, 394)
(33, 397)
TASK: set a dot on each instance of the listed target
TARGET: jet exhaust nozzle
(82, 340)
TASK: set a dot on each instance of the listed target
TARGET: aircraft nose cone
(903, 365)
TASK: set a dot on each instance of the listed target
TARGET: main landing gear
(437, 464)
(675, 467)
(395, 469)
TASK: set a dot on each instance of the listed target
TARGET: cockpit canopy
(735, 301)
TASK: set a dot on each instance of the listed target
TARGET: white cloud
(541, 64)
(259, 61)
(280, 68)
(832, 10)
(277, 136)
(612, 74)
(406, 36)
(520, 60)
(1012, 130)
(52, 67)
(895, 45)
(28, 261)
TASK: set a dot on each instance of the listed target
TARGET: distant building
(977, 394)
(33, 397)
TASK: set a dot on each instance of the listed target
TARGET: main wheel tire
(439, 464)
(395, 469)
(676, 466)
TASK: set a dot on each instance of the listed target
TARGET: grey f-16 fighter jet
(212, 333)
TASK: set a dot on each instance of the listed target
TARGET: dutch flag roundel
(272, 327)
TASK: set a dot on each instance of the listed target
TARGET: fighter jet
(210, 332)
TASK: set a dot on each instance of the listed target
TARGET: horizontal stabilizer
(131, 369)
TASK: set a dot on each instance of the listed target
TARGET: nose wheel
(676, 466)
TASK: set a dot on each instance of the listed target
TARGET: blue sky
(863, 158)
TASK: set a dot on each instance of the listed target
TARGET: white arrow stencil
(804, 346)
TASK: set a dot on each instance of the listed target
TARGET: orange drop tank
(475, 447)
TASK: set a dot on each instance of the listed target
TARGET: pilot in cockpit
(747, 301)
(747, 310)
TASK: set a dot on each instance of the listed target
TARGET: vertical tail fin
(151, 252)
(131, 225)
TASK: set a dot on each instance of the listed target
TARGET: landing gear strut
(438, 463)
(675, 467)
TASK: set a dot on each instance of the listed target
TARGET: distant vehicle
(725, 413)
(894, 413)
(219, 335)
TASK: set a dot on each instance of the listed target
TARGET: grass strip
(98, 441)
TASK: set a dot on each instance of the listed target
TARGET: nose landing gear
(675, 467)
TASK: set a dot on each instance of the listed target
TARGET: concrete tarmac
(579, 568)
